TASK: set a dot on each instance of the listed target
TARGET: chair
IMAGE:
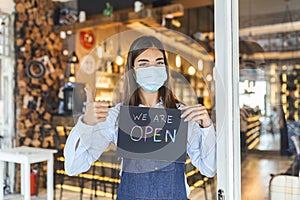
(284, 187)
(287, 185)
(195, 179)
(106, 174)
(60, 175)
(82, 179)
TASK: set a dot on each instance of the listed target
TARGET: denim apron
(148, 179)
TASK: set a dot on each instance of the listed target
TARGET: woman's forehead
(150, 53)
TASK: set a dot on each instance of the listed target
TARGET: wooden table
(27, 156)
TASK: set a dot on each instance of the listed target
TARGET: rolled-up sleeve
(93, 140)
(201, 148)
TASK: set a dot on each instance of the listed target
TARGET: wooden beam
(194, 3)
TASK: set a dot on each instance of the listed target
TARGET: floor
(256, 169)
(256, 173)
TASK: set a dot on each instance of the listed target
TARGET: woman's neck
(148, 99)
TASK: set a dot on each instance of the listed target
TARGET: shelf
(119, 18)
(109, 74)
(250, 138)
(105, 88)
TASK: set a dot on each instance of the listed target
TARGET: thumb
(89, 95)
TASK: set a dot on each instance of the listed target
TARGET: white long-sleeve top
(93, 140)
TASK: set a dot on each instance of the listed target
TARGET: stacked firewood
(37, 96)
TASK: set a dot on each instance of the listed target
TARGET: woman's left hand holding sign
(196, 113)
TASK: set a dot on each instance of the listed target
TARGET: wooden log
(41, 110)
(35, 81)
(36, 93)
(35, 29)
(27, 141)
(28, 123)
(24, 111)
(53, 75)
(27, 32)
(20, 7)
(46, 30)
(38, 21)
(21, 126)
(20, 67)
(40, 41)
(52, 132)
(60, 73)
(37, 128)
(47, 116)
(27, 47)
(36, 143)
(22, 17)
(19, 25)
(37, 53)
(28, 41)
(47, 126)
(19, 42)
(28, 5)
(50, 21)
(48, 81)
(30, 23)
(44, 87)
(23, 133)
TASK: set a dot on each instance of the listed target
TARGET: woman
(147, 83)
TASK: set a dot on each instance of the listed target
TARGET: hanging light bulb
(178, 61)
(191, 70)
(208, 77)
(71, 66)
(200, 65)
(100, 51)
(119, 60)
(63, 35)
(65, 52)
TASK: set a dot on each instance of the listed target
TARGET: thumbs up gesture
(95, 111)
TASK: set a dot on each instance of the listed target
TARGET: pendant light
(119, 59)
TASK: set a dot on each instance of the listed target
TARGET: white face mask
(151, 78)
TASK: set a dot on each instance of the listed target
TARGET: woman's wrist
(88, 120)
(206, 124)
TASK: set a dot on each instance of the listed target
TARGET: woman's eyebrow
(143, 60)
(157, 59)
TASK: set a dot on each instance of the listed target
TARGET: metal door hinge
(221, 194)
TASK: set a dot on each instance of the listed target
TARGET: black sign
(151, 133)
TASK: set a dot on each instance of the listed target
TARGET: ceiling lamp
(191, 70)
(209, 77)
(100, 51)
(119, 60)
(200, 65)
(178, 61)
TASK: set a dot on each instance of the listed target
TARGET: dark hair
(131, 92)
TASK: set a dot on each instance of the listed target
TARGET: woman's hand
(196, 113)
(95, 111)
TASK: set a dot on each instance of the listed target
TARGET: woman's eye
(143, 65)
(160, 63)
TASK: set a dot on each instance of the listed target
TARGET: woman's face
(150, 57)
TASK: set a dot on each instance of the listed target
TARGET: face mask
(151, 78)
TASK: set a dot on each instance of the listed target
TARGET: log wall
(36, 98)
